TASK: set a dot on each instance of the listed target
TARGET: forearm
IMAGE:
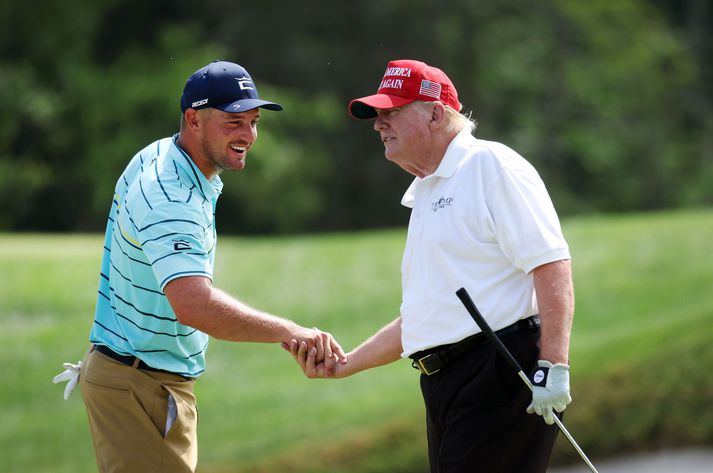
(227, 318)
(555, 299)
(382, 348)
(216, 313)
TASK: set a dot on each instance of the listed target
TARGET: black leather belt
(131, 360)
(434, 359)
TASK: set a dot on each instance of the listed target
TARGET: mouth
(240, 149)
(386, 139)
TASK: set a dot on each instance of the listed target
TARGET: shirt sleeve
(526, 223)
(176, 242)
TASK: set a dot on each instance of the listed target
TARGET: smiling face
(406, 136)
(224, 139)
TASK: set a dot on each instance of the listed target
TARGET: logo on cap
(388, 82)
(245, 83)
(225, 86)
(430, 89)
(405, 81)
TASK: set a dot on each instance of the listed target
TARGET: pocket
(97, 374)
(478, 386)
(525, 352)
(185, 418)
(181, 438)
(171, 413)
(101, 387)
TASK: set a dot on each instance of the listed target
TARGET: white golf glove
(71, 375)
(550, 390)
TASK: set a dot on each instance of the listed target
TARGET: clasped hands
(319, 356)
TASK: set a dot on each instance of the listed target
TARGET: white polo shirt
(483, 220)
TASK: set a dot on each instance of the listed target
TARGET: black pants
(475, 413)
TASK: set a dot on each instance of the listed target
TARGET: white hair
(459, 121)
(456, 121)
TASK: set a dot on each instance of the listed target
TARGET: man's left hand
(71, 375)
(550, 390)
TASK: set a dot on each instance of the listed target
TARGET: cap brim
(364, 108)
(244, 105)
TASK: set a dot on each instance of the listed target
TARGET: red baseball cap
(406, 81)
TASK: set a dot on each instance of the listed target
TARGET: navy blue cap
(223, 85)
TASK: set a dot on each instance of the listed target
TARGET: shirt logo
(181, 245)
(441, 203)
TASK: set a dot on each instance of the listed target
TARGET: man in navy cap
(156, 305)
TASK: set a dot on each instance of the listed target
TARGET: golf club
(473, 311)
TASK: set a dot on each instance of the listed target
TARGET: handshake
(317, 353)
(320, 356)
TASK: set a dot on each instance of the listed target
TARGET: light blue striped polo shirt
(161, 227)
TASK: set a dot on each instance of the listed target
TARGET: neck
(192, 150)
(432, 159)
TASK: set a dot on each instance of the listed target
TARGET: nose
(249, 134)
(379, 123)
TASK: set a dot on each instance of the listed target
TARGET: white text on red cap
(394, 83)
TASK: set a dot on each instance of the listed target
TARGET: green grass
(641, 350)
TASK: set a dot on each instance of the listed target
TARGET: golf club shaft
(502, 349)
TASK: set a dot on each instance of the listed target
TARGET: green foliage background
(610, 100)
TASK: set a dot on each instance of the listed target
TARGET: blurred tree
(692, 21)
(76, 110)
(598, 89)
(610, 100)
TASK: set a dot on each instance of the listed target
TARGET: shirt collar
(209, 189)
(455, 153)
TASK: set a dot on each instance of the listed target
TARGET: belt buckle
(418, 364)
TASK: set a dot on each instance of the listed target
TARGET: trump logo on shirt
(441, 203)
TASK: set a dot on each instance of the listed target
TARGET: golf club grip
(473, 311)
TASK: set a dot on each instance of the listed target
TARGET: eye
(388, 112)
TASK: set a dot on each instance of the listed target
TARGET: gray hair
(459, 121)
(456, 121)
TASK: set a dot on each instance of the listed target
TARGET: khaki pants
(127, 410)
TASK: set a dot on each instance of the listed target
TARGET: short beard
(211, 157)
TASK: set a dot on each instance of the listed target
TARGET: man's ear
(438, 115)
(191, 118)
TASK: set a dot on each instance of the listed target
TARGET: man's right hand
(380, 349)
(331, 366)
(324, 345)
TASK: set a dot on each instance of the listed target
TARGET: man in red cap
(481, 219)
